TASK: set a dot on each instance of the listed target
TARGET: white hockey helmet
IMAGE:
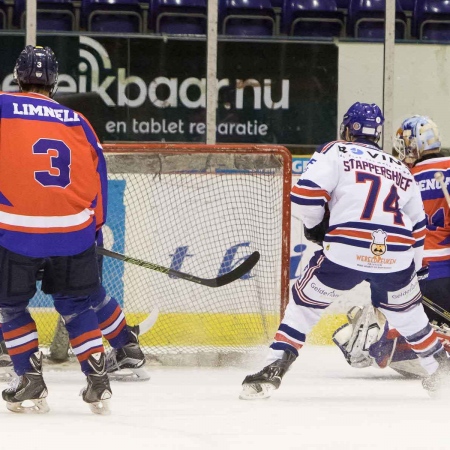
(416, 137)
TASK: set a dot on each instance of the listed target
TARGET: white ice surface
(322, 404)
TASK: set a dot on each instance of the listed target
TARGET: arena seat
(366, 20)
(118, 16)
(432, 20)
(51, 15)
(407, 5)
(276, 3)
(178, 16)
(247, 18)
(342, 4)
(4, 15)
(312, 18)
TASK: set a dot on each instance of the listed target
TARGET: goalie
(367, 340)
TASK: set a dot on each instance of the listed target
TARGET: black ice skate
(6, 366)
(29, 387)
(126, 363)
(438, 384)
(97, 392)
(261, 384)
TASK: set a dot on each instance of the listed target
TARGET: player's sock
(6, 367)
(21, 340)
(126, 352)
(111, 318)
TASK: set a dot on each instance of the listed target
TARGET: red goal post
(199, 209)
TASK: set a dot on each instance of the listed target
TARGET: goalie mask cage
(199, 209)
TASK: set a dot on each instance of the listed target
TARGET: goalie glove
(317, 233)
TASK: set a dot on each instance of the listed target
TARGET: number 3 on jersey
(60, 159)
(390, 203)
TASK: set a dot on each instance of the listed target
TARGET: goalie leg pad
(355, 338)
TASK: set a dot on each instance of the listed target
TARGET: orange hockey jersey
(52, 177)
(437, 241)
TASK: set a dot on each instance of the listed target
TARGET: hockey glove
(317, 233)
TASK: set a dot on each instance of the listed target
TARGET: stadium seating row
(427, 20)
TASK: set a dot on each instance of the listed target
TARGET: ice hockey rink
(322, 404)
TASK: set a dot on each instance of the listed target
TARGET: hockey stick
(436, 308)
(229, 277)
(148, 322)
(439, 176)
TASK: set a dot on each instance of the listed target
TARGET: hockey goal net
(202, 210)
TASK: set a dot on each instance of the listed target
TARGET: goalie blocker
(367, 341)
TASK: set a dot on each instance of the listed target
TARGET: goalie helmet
(417, 136)
(37, 66)
(362, 119)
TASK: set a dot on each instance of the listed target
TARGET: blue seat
(118, 16)
(312, 18)
(407, 5)
(6, 14)
(51, 15)
(366, 20)
(432, 20)
(276, 3)
(178, 16)
(343, 4)
(247, 18)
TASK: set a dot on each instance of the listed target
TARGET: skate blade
(256, 391)
(139, 374)
(38, 406)
(101, 408)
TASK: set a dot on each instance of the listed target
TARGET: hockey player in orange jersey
(53, 186)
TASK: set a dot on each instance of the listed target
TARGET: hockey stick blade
(436, 308)
(227, 278)
(147, 324)
(237, 272)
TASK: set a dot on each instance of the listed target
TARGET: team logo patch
(378, 246)
(356, 126)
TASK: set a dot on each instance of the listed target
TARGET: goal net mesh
(200, 210)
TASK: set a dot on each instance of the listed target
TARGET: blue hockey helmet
(417, 136)
(362, 119)
(37, 66)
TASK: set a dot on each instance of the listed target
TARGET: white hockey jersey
(377, 221)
